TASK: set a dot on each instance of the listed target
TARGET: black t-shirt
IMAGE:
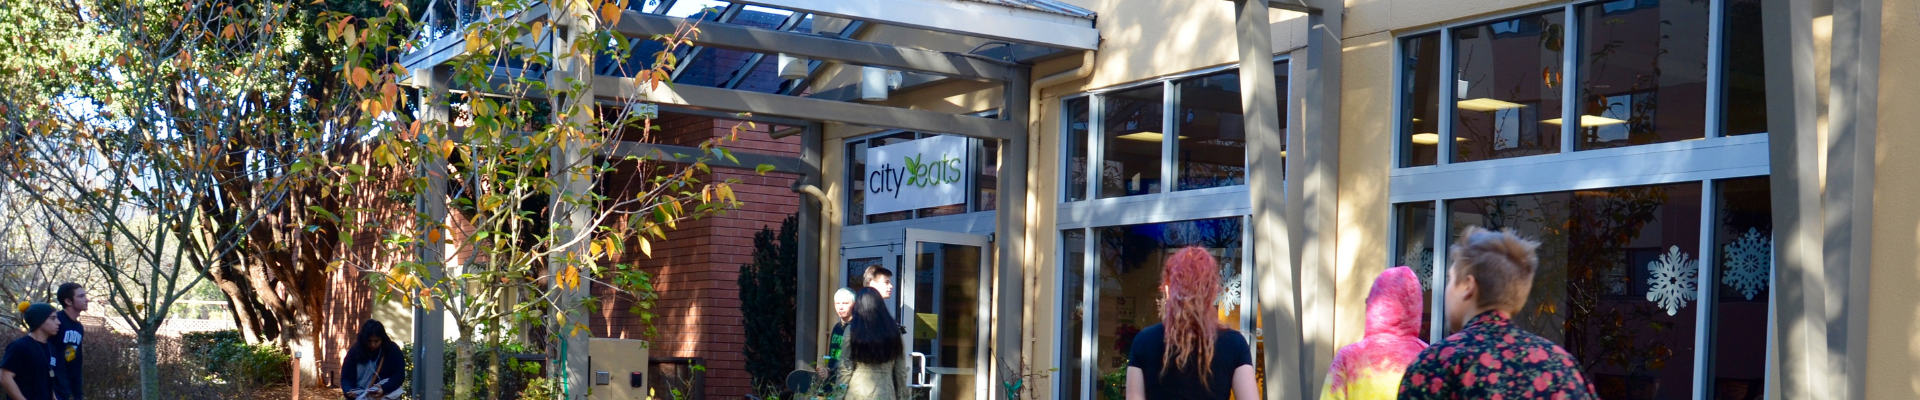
(1230, 351)
(32, 367)
(68, 355)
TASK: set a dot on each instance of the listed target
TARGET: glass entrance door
(942, 291)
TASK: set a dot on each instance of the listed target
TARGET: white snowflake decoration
(1746, 263)
(1422, 264)
(1229, 288)
(1672, 282)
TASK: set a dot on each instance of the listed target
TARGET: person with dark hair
(1491, 274)
(878, 361)
(880, 279)
(374, 367)
(1189, 354)
(27, 368)
(66, 345)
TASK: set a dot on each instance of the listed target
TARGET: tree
(131, 117)
(767, 293)
(509, 232)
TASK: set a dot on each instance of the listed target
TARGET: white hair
(843, 294)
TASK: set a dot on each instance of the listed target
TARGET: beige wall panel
(1365, 159)
(1418, 13)
(1367, 17)
(1142, 39)
(1043, 240)
(1893, 319)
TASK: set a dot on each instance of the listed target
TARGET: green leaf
(299, 166)
(762, 169)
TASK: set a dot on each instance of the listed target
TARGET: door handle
(923, 379)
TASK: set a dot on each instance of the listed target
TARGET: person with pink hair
(1371, 368)
(1189, 354)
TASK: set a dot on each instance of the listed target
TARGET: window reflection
(1615, 281)
(1132, 140)
(1643, 70)
(1128, 263)
(1078, 126)
(1419, 138)
(1213, 134)
(1744, 72)
(1743, 250)
(1507, 97)
(1413, 248)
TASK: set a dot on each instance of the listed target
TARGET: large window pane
(1413, 248)
(1507, 94)
(1616, 280)
(1744, 72)
(1419, 139)
(1073, 279)
(1076, 144)
(1132, 135)
(1743, 245)
(1643, 72)
(1213, 136)
(1129, 263)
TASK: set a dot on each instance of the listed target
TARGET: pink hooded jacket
(1371, 368)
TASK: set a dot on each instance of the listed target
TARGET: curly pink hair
(1192, 282)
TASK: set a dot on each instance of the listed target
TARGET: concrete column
(1799, 283)
(1266, 183)
(1853, 105)
(572, 110)
(429, 325)
(807, 302)
(1011, 233)
(1313, 188)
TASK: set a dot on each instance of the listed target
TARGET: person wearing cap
(26, 369)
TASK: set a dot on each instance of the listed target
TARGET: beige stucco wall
(1893, 316)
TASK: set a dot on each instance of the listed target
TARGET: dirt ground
(284, 392)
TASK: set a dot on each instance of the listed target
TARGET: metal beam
(753, 61)
(429, 323)
(665, 152)
(816, 67)
(1002, 23)
(725, 17)
(736, 37)
(1799, 290)
(706, 98)
(1275, 285)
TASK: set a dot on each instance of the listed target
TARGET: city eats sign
(929, 172)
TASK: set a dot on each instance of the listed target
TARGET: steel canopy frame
(757, 40)
(985, 21)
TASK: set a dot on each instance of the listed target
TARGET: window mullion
(1170, 138)
(1716, 77)
(1438, 278)
(1448, 76)
(1096, 144)
(1569, 74)
(1702, 349)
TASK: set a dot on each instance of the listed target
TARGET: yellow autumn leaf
(433, 235)
(610, 12)
(358, 78)
(646, 247)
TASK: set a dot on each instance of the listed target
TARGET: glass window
(1413, 248)
(1077, 112)
(1616, 280)
(1212, 145)
(1132, 136)
(1507, 94)
(1419, 89)
(1073, 283)
(1128, 264)
(1743, 242)
(1643, 73)
(987, 183)
(1743, 71)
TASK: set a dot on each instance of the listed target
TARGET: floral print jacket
(1492, 359)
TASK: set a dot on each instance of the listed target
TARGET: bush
(226, 355)
(519, 376)
(768, 287)
(112, 369)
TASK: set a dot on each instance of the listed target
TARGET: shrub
(518, 376)
(226, 355)
(767, 290)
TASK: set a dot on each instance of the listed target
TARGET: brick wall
(696, 271)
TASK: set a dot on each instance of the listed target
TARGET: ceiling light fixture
(1589, 121)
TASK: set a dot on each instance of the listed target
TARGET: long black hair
(873, 336)
(368, 331)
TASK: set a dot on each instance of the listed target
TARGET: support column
(429, 324)
(1266, 184)
(1011, 232)
(1799, 282)
(572, 212)
(1853, 104)
(1313, 189)
(807, 307)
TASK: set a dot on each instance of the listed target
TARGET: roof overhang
(963, 18)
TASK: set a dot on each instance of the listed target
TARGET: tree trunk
(149, 363)
(463, 371)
